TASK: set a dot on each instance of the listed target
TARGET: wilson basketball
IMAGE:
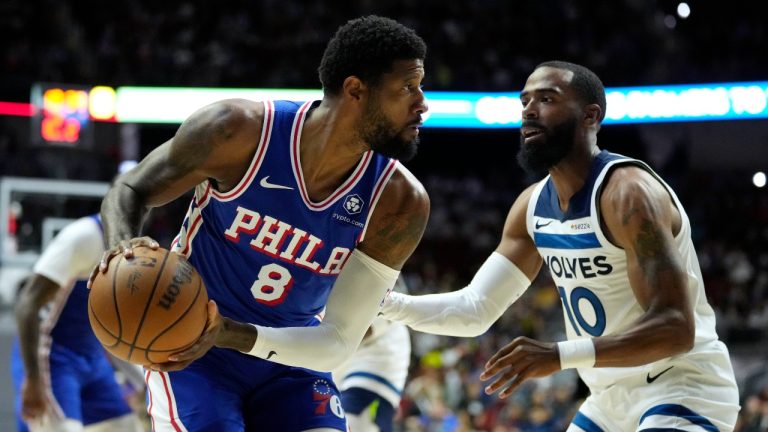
(149, 306)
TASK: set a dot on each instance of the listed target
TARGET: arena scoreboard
(64, 113)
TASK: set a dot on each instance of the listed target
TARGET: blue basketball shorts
(82, 387)
(227, 391)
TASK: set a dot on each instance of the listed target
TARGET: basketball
(147, 307)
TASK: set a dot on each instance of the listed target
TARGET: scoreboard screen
(62, 116)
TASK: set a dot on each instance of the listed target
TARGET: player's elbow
(475, 331)
(333, 360)
(340, 347)
(683, 330)
(459, 323)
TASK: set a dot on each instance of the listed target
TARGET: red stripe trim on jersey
(296, 162)
(192, 231)
(204, 199)
(170, 402)
(266, 131)
(377, 191)
(197, 222)
(151, 399)
(185, 223)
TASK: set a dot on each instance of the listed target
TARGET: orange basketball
(149, 306)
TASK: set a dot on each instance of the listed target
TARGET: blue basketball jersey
(66, 320)
(267, 253)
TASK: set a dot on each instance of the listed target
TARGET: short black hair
(366, 47)
(586, 83)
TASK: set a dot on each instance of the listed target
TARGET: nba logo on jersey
(353, 204)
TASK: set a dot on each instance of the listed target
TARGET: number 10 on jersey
(573, 305)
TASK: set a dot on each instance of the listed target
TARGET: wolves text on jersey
(280, 240)
(578, 268)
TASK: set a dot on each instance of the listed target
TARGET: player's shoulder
(630, 180)
(405, 192)
(398, 220)
(218, 137)
(224, 118)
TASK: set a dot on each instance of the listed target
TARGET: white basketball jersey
(591, 273)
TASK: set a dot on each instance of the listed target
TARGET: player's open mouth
(530, 132)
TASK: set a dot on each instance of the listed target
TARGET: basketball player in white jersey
(618, 245)
(372, 380)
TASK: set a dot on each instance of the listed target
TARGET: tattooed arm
(398, 221)
(216, 142)
(639, 216)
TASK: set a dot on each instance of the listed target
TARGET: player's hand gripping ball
(147, 307)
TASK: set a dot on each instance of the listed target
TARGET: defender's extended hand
(521, 359)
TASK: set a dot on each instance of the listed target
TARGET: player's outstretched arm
(641, 218)
(211, 144)
(470, 311)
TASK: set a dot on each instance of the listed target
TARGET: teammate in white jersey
(617, 242)
(372, 380)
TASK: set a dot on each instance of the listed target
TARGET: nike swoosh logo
(542, 225)
(271, 353)
(649, 379)
(266, 184)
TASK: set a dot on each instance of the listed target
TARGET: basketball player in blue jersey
(617, 243)
(300, 210)
(63, 378)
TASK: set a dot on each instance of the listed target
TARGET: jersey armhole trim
(258, 157)
(377, 192)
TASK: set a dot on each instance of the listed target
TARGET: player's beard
(538, 157)
(383, 137)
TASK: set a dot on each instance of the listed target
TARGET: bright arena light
(683, 10)
(102, 102)
(759, 179)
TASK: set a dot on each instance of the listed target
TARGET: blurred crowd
(474, 45)
(488, 44)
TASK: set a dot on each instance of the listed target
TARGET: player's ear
(353, 87)
(592, 114)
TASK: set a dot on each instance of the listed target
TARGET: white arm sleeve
(352, 306)
(73, 253)
(467, 312)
